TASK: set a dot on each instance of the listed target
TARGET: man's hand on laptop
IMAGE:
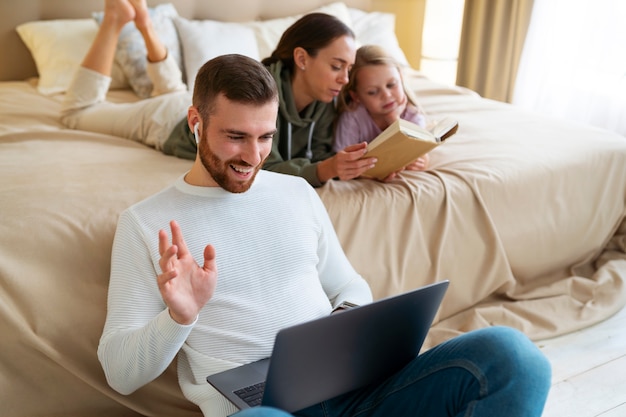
(345, 305)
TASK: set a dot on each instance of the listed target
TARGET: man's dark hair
(239, 78)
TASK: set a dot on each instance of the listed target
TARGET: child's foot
(118, 12)
(142, 17)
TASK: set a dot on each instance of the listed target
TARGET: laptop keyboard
(252, 395)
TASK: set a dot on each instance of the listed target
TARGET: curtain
(492, 39)
(574, 62)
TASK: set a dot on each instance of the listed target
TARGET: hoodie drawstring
(309, 151)
(288, 141)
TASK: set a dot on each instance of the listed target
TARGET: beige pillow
(131, 49)
(202, 40)
(58, 48)
(378, 28)
(268, 32)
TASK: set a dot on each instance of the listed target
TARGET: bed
(524, 214)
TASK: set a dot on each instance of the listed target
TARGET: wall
(409, 23)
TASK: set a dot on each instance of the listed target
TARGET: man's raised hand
(184, 285)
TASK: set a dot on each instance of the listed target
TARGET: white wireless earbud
(196, 127)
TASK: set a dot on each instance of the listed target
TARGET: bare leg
(100, 56)
(156, 50)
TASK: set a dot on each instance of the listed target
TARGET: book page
(444, 129)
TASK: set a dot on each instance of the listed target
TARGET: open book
(403, 142)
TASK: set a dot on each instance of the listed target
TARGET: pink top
(355, 126)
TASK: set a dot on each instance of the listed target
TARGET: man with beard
(279, 260)
(280, 263)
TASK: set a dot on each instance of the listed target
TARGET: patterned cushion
(131, 50)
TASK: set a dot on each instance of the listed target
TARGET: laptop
(321, 359)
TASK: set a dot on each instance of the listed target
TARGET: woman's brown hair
(312, 32)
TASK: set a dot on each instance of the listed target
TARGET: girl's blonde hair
(368, 55)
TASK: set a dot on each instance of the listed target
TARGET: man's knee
(511, 353)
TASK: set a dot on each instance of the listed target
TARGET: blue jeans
(261, 412)
(488, 372)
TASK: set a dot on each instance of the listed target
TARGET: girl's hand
(420, 164)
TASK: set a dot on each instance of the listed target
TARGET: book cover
(403, 142)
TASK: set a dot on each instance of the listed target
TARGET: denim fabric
(488, 372)
(261, 412)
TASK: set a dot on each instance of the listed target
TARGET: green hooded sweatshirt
(301, 139)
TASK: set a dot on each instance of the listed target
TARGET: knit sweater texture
(279, 263)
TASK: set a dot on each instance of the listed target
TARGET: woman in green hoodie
(310, 65)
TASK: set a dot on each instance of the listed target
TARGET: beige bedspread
(524, 215)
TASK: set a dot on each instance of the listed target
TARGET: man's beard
(218, 169)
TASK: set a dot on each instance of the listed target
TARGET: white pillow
(131, 50)
(378, 28)
(268, 32)
(58, 48)
(203, 40)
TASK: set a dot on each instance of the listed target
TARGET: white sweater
(279, 263)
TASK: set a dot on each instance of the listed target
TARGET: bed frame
(21, 65)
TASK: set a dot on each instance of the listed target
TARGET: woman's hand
(345, 164)
(184, 285)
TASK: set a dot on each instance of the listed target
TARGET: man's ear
(193, 117)
(194, 122)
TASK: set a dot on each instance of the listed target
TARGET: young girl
(373, 99)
